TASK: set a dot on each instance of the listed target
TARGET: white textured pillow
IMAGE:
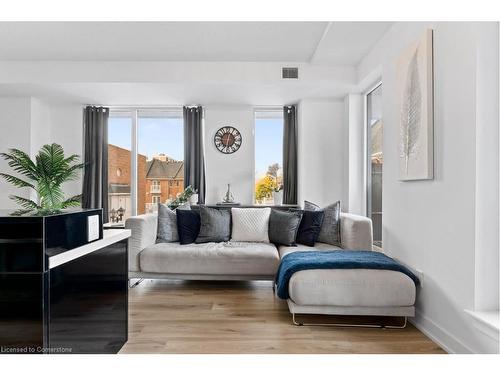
(250, 224)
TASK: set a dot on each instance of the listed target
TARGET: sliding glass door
(375, 160)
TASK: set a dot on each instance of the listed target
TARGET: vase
(278, 197)
(193, 199)
(228, 197)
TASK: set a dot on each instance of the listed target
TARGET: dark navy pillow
(188, 225)
(310, 227)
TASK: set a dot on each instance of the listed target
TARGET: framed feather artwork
(415, 85)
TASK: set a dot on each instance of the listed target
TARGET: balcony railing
(155, 189)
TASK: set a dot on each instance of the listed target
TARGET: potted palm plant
(45, 175)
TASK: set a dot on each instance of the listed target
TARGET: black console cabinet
(58, 292)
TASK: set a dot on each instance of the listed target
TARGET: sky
(268, 144)
(154, 135)
(165, 135)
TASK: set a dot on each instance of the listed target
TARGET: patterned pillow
(250, 224)
(330, 228)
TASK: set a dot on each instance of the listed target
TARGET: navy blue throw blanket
(334, 259)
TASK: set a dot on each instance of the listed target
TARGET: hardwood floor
(243, 317)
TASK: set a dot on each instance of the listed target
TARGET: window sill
(488, 322)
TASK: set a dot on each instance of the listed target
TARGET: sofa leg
(346, 325)
(133, 285)
(405, 321)
(295, 322)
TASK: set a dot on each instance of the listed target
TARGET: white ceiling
(334, 43)
(346, 43)
(182, 62)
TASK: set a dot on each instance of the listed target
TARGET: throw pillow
(283, 226)
(250, 224)
(215, 225)
(309, 227)
(330, 228)
(188, 225)
(167, 225)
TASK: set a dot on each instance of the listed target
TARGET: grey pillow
(283, 227)
(330, 228)
(167, 225)
(215, 225)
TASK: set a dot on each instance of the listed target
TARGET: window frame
(368, 168)
(134, 112)
(367, 149)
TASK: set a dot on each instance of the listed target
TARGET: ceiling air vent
(290, 73)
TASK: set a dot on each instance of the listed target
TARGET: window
(158, 153)
(155, 187)
(375, 160)
(119, 160)
(268, 156)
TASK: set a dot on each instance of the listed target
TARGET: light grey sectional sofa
(329, 292)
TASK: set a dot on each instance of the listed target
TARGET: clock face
(227, 139)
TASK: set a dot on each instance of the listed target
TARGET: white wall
(236, 169)
(430, 225)
(15, 125)
(67, 130)
(40, 125)
(321, 155)
(487, 210)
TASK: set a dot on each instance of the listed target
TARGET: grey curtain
(194, 159)
(290, 146)
(95, 177)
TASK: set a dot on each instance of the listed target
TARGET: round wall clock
(227, 139)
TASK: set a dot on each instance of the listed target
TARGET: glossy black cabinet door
(21, 313)
(89, 302)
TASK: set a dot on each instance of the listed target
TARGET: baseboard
(439, 335)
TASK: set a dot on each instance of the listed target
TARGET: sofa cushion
(330, 228)
(212, 258)
(188, 225)
(250, 224)
(167, 223)
(283, 226)
(310, 227)
(284, 250)
(215, 225)
(348, 287)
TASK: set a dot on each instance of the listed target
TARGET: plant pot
(278, 197)
(193, 199)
